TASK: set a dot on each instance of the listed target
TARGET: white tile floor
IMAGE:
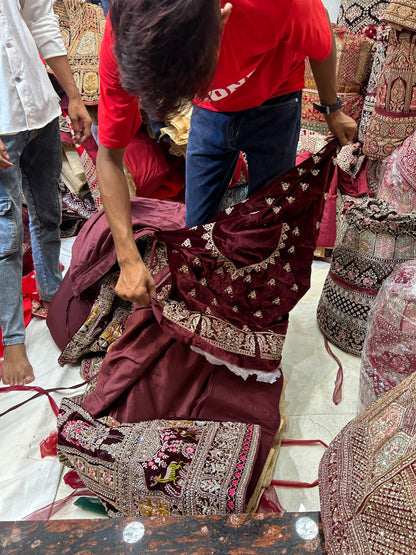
(28, 482)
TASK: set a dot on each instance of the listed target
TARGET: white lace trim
(261, 376)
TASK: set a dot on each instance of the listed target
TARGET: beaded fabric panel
(159, 467)
(356, 14)
(401, 14)
(82, 28)
(103, 326)
(378, 54)
(389, 353)
(375, 240)
(394, 115)
(353, 61)
(367, 480)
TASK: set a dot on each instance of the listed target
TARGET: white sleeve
(44, 27)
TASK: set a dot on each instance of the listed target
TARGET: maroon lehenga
(208, 348)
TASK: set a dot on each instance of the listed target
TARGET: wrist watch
(328, 109)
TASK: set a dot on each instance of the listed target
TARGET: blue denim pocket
(8, 228)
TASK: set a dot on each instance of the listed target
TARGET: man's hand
(342, 127)
(4, 157)
(135, 284)
(80, 119)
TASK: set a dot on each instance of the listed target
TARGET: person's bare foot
(17, 369)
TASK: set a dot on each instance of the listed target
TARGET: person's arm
(81, 121)
(135, 282)
(343, 127)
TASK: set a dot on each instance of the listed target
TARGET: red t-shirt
(262, 55)
(118, 111)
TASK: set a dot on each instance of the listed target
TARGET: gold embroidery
(230, 266)
(266, 344)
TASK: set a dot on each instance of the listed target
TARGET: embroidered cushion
(374, 240)
(366, 479)
(389, 353)
(159, 467)
(353, 69)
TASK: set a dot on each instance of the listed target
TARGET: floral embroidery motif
(160, 467)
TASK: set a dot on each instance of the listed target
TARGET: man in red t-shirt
(243, 65)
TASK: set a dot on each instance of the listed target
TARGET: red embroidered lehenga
(207, 350)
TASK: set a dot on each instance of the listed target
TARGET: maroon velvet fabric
(148, 375)
(227, 273)
(93, 255)
(247, 268)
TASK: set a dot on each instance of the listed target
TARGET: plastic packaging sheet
(389, 352)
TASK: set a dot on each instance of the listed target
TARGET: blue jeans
(37, 159)
(106, 6)
(268, 135)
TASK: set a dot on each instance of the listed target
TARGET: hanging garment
(82, 28)
(366, 479)
(389, 352)
(375, 239)
(378, 57)
(393, 117)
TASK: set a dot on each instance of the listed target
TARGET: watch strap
(324, 109)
